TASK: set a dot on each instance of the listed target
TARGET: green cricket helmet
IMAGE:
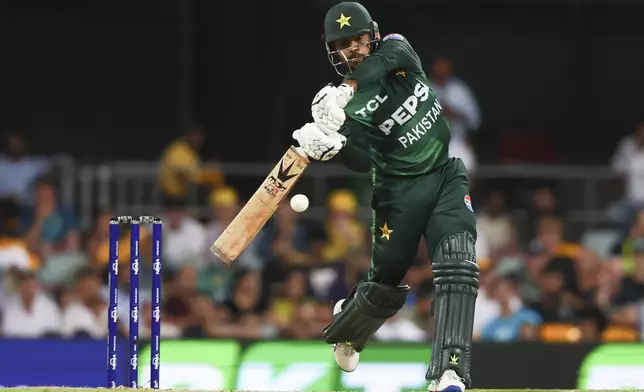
(344, 21)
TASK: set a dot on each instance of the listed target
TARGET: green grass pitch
(60, 389)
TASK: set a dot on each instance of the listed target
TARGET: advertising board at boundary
(309, 365)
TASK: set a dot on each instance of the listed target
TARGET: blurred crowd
(536, 282)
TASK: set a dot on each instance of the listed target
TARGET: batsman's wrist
(347, 88)
(351, 84)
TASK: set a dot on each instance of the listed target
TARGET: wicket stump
(155, 326)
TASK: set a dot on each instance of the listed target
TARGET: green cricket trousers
(407, 208)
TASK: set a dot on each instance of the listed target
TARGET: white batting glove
(328, 106)
(317, 144)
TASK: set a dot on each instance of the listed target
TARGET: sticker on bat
(276, 184)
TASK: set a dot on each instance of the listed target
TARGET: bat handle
(300, 151)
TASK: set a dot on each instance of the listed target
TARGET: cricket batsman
(385, 118)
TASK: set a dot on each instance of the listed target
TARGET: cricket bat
(260, 207)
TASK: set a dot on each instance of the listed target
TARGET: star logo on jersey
(386, 231)
(402, 73)
(344, 21)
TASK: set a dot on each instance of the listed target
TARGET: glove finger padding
(296, 135)
(327, 108)
(322, 94)
(346, 93)
(317, 144)
(323, 149)
(306, 134)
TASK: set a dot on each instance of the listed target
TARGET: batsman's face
(352, 50)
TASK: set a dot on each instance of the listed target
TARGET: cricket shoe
(345, 356)
(449, 382)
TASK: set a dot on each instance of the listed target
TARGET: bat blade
(260, 207)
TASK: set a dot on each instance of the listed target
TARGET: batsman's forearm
(376, 69)
(377, 65)
(355, 158)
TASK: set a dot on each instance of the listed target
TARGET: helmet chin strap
(343, 61)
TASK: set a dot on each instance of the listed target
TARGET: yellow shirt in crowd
(182, 167)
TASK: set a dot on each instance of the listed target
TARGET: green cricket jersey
(395, 114)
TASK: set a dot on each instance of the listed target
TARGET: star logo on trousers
(386, 231)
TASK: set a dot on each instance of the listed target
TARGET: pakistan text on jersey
(424, 125)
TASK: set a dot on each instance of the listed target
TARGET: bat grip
(300, 151)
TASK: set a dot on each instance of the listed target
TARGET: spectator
(18, 172)
(304, 325)
(290, 243)
(293, 293)
(98, 241)
(628, 160)
(245, 311)
(86, 314)
(623, 251)
(284, 244)
(329, 281)
(246, 305)
(631, 292)
(544, 204)
(30, 312)
(176, 317)
(345, 232)
(184, 236)
(507, 326)
(14, 253)
(549, 240)
(181, 167)
(401, 329)
(608, 286)
(496, 225)
(556, 304)
(591, 323)
(48, 226)
(459, 106)
(488, 307)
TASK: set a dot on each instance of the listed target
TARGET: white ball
(299, 203)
